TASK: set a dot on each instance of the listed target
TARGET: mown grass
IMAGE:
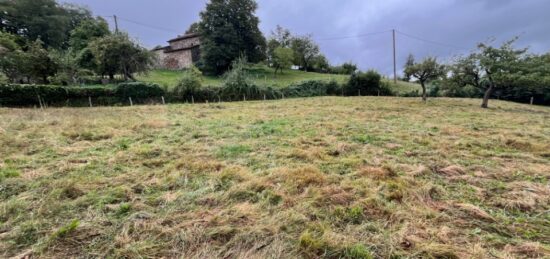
(332, 177)
(265, 76)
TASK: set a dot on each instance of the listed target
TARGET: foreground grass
(321, 177)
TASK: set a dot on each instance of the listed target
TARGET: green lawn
(263, 76)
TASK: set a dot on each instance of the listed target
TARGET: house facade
(181, 53)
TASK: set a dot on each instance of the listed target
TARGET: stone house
(182, 52)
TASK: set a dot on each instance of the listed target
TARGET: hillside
(264, 75)
(333, 177)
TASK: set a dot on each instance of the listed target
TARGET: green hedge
(138, 90)
(15, 95)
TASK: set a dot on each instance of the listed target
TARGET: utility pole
(394, 59)
(116, 23)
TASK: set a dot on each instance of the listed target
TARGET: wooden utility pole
(394, 59)
(116, 23)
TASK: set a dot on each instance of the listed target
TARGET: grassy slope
(262, 75)
(300, 177)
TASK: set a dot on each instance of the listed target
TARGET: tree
(41, 19)
(282, 59)
(408, 63)
(117, 53)
(88, 31)
(281, 37)
(229, 30)
(305, 49)
(499, 65)
(40, 64)
(349, 68)
(425, 71)
(193, 28)
(13, 61)
(320, 64)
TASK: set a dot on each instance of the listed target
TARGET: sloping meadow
(333, 177)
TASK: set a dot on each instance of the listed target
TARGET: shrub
(312, 88)
(368, 83)
(238, 84)
(189, 85)
(138, 90)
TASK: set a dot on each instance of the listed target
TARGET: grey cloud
(460, 23)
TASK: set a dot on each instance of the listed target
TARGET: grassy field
(265, 76)
(331, 177)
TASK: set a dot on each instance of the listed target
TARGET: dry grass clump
(330, 177)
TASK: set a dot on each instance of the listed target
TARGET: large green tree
(13, 60)
(46, 20)
(41, 65)
(118, 54)
(229, 30)
(87, 31)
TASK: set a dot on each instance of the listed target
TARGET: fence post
(163, 102)
(131, 103)
(532, 100)
(40, 102)
(219, 99)
(264, 97)
(192, 99)
(90, 101)
(244, 98)
(359, 92)
(283, 95)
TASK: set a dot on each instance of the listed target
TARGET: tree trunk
(486, 96)
(424, 97)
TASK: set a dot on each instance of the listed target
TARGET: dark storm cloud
(452, 26)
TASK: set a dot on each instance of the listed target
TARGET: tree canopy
(46, 20)
(229, 30)
(425, 71)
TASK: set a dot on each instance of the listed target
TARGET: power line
(431, 41)
(141, 24)
(355, 36)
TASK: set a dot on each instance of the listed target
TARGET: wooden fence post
(90, 101)
(163, 102)
(264, 97)
(131, 103)
(244, 98)
(40, 102)
(532, 100)
(192, 99)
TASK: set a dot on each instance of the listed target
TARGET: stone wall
(185, 43)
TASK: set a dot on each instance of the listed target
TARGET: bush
(189, 85)
(138, 90)
(312, 88)
(237, 84)
(368, 83)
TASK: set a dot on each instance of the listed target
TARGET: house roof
(183, 37)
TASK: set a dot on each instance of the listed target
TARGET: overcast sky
(357, 30)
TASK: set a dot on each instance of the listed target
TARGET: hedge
(15, 95)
